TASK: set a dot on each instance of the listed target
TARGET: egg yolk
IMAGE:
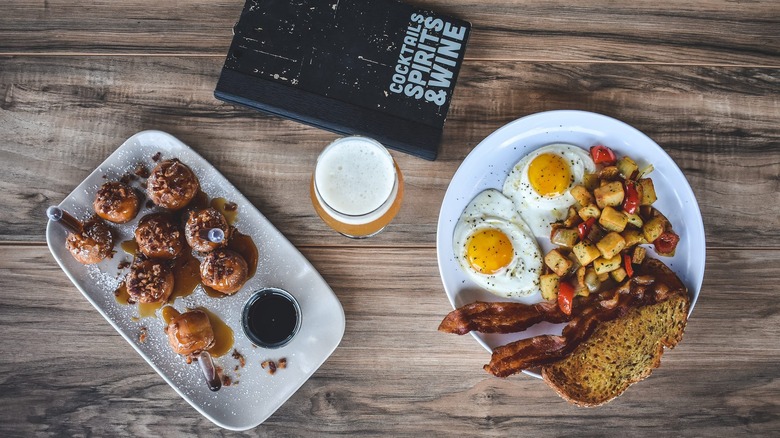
(549, 175)
(488, 251)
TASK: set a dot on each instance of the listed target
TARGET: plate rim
(340, 317)
(525, 124)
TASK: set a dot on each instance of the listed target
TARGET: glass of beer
(356, 187)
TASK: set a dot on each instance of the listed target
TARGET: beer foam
(355, 176)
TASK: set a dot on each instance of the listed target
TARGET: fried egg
(495, 248)
(539, 184)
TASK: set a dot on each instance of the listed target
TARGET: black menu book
(378, 68)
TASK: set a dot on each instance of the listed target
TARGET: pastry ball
(172, 185)
(190, 333)
(150, 281)
(158, 236)
(224, 270)
(116, 202)
(93, 244)
(198, 225)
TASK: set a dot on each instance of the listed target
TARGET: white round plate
(489, 163)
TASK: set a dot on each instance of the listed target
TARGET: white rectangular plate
(257, 394)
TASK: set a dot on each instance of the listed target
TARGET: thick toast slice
(619, 353)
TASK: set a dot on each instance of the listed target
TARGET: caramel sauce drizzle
(186, 273)
(130, 247)
(223, 335)
(227, 208)
(121, 294)
(244, 245)
(168, 313)
(149, 310)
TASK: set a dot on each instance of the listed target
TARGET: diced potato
(611, 245)
(654, 228)
(549, 285)
(585, 252)
(572, 218)
(604, 266)
(589, 211)
(627, 167)
(557, 262)
(639, 255)
(582, 195)
(582, 291)
(609, 173)
(639, 191)
(610, 194)
(634, 219)
(590, 181)
(619, 274)
(565, 237)
(633, 237)
(581, 276)
(648, 191)
(602, 277)
(613, 220)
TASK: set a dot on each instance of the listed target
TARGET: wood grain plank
(66, 114)
(65, 371)
(666, 31)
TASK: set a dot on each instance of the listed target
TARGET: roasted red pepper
(631, 200)
(666, 243)
(565, 297)
(627, 265)
(584, 228)
(602, 155)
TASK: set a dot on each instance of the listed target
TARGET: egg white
(540, 211)
(492, 210)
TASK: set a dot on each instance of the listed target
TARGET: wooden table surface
(700, 77)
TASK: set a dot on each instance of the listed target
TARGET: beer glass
(356, 187)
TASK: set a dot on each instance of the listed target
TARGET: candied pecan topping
(141, 170)
(158, 233)
(226, 380)
(112, 194)
(148, 280)
(240, 357)
(172, 184)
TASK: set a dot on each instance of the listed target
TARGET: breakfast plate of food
(172, 255)
(559, 236)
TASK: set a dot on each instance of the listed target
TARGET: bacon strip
(500, 317)
(659, 285)
(546, 349)
(653, 282)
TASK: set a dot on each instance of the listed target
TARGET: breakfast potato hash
(600, 240)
